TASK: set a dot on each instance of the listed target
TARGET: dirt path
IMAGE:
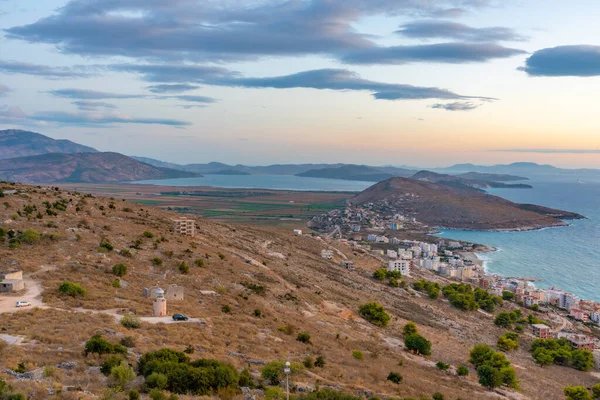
(32, 294)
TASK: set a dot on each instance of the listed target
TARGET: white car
(23, 303)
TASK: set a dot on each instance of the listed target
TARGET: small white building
(403, 266)
(298, 231)
(327, 254)
(392, 254)
(184, 226)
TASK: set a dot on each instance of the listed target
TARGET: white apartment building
(392, 254)
(400, 265)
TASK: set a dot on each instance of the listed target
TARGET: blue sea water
(275, 182)
(566, 257)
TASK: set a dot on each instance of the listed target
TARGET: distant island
(230, 172)
(492, 177)
(349, 172)
(461, 182)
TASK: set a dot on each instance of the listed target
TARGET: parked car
(180, 317)
(23, 303)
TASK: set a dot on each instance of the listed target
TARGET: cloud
(454, 53)
(176, 88)
(193, 99)
(341, 79)
(431, 29)
(456, 106)
(190, 106)
(550, 151)
(201, 30)
(574, 60)
(174, 73)
(4, 90)
(15, 115)
(44, 71)
(85, 94)
(86, 105)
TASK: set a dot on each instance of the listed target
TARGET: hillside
(349, 172)
(274, 283)
(461, 208)
(82, 167)
(20, 143)
(465, 183)
(492, 177)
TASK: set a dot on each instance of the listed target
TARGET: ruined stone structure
(11, 281)
(174, 293)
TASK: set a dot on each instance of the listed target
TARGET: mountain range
(20, 143)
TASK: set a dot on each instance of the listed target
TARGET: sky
(380, 82)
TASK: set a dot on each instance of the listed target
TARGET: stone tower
(160, 304)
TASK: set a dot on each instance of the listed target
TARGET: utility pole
(287, 370)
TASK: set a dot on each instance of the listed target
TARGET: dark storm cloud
(454, 53)
(456, 106)
(217, 30)
(175, 88)
(452, 30)
(85, 94)
(574, 60)
(44, 71)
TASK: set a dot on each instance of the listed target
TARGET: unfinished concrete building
(11, 281)
(185, 227)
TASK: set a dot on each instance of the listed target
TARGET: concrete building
(11, 281)
(400, 265)
(579, 342)
(347, 264)
(540, 330)
(392, 253)
(174, 292)
(184, 226)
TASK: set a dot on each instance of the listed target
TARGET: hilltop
(274, 283)
(447, 206)
(464, 183)
(353, 173)
(20, 143)
(82, 167)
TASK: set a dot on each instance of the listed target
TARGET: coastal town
(369, 231)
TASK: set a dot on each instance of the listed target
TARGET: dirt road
(32, 294)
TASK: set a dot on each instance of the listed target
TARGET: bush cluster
(431, 288)
(393, 277)
(508, 341)
(98, 345)
(462, 296)
(201, 377)
(374, 313)
(493, 368)
(560, 352)
(71, 289)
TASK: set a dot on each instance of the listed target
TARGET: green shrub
(442, 366)
(184, 268)
(120, 270)
(134, 395)
(380, 274)
(126, 253)
(116, 283)
(221, 256)
(577, 393)
(157, 380)
(131, 321)
(504, 320)
(395, 377)
(71, 289)
(98, 345)
(358, 355)
(508, 341)
(109, 363)
(199, 262)
(273, 371)
(308, 362)
(437, 396)
(246, 379)
(226, 309)
(157, 394)
(30, 236)
(287, 329)
(303, 337)
(418, 344)
(493, 368)
(148, 234)
(375, 314)
(320, 362)
(122, 374)
(462, 371)
(257, 313)
(410, 328)
(106, 244)
(157, 261)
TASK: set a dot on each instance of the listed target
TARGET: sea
(564, 257)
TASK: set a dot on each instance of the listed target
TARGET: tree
(245, 379)
(395, 377)
(122, 374)
(543, 357)
(577, 393)
(418, 344)
(480, 354)
(409, 329)
(596, 391)
(274, 370)
(120, 270)
(375, 314)
(437, 396)
(71, 289)
(503, 319)
(380, 274)
(489, 376)
(509, 296)
(507, 344)
(583, 360)
(320, 362)
(303, 337)
(442, 366)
